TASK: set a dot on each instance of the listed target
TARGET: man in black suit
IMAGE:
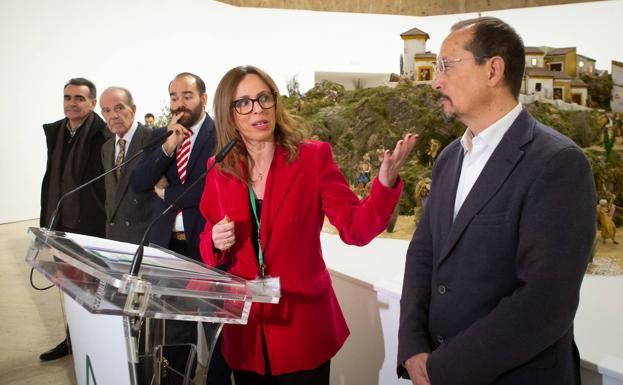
(168, 171)
(127, 213)
(179, 231)
(74, 144)
(493, 272)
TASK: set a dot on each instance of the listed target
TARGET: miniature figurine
(422, 190)
(605, 213)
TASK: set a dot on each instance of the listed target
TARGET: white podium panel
(98, 346)
(107, 308)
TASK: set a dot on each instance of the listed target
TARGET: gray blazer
(492, 295)
(127, 213)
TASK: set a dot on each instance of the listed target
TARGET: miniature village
(361, 114)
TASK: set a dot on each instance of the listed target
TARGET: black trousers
(316, 376)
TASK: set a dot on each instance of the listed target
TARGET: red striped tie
(182, 157)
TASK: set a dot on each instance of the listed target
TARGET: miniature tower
(414, 44)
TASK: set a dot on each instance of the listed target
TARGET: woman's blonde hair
(288, 132)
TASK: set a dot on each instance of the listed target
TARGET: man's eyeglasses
(443, 65)
(244, 106)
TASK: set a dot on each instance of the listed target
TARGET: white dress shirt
(477, 150)
(178, 225)
(127, 137)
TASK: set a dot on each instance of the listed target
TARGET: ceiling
(398, 7)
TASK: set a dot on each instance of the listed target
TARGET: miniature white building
(538, 81)
(552, 73)
(417, 62)
(616, 103)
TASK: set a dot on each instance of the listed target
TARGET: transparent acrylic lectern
(93, 272)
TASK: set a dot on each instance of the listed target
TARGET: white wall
(411, 48)
(547, 86)
(142, 44)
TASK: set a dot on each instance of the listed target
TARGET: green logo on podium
(89, 372)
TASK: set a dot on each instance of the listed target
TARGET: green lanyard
(260, 256)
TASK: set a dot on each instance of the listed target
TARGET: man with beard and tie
(74, 144)
(178, 163)
(168, 171)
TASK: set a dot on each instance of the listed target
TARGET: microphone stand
(138, 256)
(152, 144)
(149, 146)
(135, 287)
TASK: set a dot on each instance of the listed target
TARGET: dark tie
(120, 156)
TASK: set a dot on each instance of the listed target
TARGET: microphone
(138, 255)
(158, 140)
(148, 147)
(223, 153)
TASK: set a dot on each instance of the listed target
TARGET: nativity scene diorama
(364, 113)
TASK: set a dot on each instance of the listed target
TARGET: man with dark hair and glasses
(168, 171)
(493, 272)
(74, 145)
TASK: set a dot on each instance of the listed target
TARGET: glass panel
(93, 271)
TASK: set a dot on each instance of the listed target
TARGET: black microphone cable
(148, 147)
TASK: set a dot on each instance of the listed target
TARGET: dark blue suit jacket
(156, 164)
(492, 295)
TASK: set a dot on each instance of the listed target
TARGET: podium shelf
(93, 271)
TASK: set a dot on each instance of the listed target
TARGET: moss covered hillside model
(364, 121)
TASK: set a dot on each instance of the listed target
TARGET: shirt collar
(128, 135)
(466, 140)
(72, 131)
(493, 134)
(197, 126)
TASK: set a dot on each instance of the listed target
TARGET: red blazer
(307, 327)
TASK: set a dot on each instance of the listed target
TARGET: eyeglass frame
(441, 66)
(256, 100)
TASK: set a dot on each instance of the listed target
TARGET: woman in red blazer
(284, 186)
